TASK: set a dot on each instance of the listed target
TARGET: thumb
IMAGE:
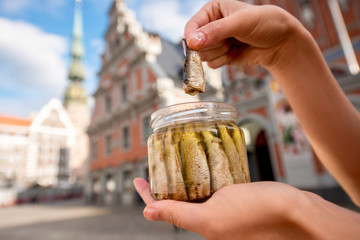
(189, 216)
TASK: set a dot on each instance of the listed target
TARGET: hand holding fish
(234, 32)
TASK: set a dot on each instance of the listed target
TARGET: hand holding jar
(227, 32)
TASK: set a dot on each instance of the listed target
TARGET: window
(124, 90)
(108, 103)
(146, 128)
(344, 5)
(126, 137)
(64, 164)
(108, 145)
(94, 150)
(110, 184)
(127, 182)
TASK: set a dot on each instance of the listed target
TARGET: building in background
(51, 148)
(140, 72)
(277, 147)
(31, 149)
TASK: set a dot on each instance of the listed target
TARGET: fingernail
(151, 214)
(197, 39)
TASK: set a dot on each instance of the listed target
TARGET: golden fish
(239, 140)
(173, 160)
(158, 173)
(197, 175)
(232, 154)
(218, 163)
(194, 78)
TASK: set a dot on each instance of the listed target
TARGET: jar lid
(192, 111)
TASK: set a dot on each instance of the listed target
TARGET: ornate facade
(140, 73)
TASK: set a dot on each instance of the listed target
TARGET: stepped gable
(53, 115)
(165, 57)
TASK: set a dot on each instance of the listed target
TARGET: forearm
(320, 219)
(330, 122)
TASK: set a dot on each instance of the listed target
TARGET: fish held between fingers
(194, 78)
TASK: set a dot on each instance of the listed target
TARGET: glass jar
(195, 150)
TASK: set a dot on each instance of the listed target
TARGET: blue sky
(35, 40)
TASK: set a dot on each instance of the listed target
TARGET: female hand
(228, 31)
(262, 210)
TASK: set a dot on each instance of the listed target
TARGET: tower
(75, 101)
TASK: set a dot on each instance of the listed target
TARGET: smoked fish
(239, 140)
(194, 78)
(220, 173)
(232, 154)
(176, 183)
(158, 173)
(196, 170)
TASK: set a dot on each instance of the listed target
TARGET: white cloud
(167, 17)
(11, 6)
(19, 6)
(97, 46)
(33, 67)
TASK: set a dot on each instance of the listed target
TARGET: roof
(6, 120)
(171, 59)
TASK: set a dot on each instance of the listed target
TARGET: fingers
(232, 55)
(142, 187)
(221, 61)
(214, 52)
(209, 12)
(185, 215)
(222, 53)
(217, 31)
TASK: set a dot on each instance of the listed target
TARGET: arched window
(107, 103)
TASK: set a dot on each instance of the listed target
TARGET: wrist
(299, 216)
(316, 218)
(285, 215)
(292, 55)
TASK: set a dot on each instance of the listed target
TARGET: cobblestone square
(74, 220)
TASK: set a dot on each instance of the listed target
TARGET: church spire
(75, 92)
(76, 71)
